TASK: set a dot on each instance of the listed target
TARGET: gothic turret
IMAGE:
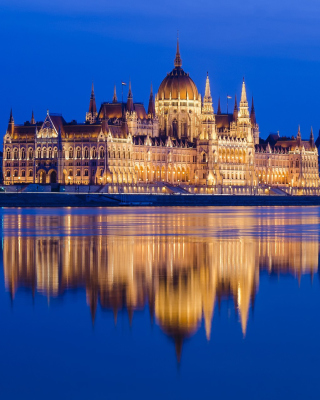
(130, 99)
(219, 107)
(207, 107)
(311, 140)
(235, 110)
(114, 99)
(299, 133)
(92, 114)
(244, 109)
(151, 108)
(253, 114)
(11, 123)
(33, 121)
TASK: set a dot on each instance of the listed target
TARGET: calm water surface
(176, 303)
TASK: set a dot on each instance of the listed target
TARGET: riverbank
(151, 200)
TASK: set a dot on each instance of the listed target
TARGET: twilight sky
(51, 52)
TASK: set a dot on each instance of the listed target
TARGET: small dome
(178, 81)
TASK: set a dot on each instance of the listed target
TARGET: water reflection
(179, 271)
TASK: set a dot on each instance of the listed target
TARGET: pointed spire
(130, 99)
(32, 122)
(151, 107)
(253, 114)
(235, 110)
(177, 60)
(219, 107)
(207, 93)
(311, 137)
(244, 107)
(11, 121)
(114, 99)
(92, 105)
(299, 133)
(243, 92)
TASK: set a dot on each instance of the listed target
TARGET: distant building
(179, 140)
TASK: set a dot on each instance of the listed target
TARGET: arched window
(44, 153)
(30, 173)
(78, 172)
(23, 173)
(38, 152)
(86, 152)
(15, 174)
(55, 153)
(23, 153)
(70, 172)
(86, 172)
(78, 152)
(30, 154)
(94, 153)
(101, 155)
(204, 159)
(63, 152)
(70, 153)
(50, 152)
(15, 154)
(8, 154)
(8, 173)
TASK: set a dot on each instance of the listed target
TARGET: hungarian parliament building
(179, 144)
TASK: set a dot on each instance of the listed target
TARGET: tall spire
(235, 110)
(244, 109)
(311, 138)
(207, 92)
(130, 99)
(114, 99)
(92, 105)
(11, 121)
(32, 122)
(151, 108)
(299, 133)
(253, 114)
(219, 107)
(207, 108)
(177, 60)
(243, 92)
(92, 114)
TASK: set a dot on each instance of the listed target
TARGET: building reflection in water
(181, 277)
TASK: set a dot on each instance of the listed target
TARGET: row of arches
(232, 155)
(84, 152)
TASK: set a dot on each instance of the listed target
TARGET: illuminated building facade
(179, 142)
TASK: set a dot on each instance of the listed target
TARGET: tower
(130, 99)
(32, 122)
(254, 125)
(235, 110)
(243, 109)
(207, 114)
(114, 99)
(11, 123)
(151, 107)
(92, 114)
(311, 140)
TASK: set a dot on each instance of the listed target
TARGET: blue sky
(50, 53)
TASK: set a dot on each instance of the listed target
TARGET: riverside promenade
(152, 200)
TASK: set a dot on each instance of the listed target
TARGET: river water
(160, 303)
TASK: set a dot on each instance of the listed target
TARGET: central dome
(178, 81)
